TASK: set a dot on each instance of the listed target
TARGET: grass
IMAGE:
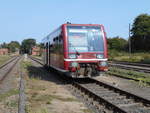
(25, 64)
(142, 57)
(141, 77)
(4, 58)
(47, 98)
(37, 91)
(36, 88)
(36, 100)
(13, 103)
(28, 110)
(43, 111)
(33, 72)
(86, 110)
(8, 94)
(42, 88)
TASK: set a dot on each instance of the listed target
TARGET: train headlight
(72, 56)
(100, 56)
(74, 64)
(103, 64)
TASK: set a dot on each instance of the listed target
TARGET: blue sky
(21, 19)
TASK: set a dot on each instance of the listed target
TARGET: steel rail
(9, 70)
(131, 68)
(129, 63)
(101, 100)
(36, 59)
(7, 62)
(128, 78)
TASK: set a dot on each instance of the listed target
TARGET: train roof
(82, 24)
(68, 24)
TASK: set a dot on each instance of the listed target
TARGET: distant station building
(3, 51)
(35, 50)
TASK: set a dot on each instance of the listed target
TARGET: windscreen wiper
(77, 53)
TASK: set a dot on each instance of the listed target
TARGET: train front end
(85, 50)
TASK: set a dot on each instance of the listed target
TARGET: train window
(56, 38)
(60, 39)
(85, 39)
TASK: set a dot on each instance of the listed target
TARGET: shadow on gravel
(42, 74)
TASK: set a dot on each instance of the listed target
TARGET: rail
(131, 67)
(115, 99)
(9, 69)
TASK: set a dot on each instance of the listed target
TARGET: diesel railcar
(77, 50)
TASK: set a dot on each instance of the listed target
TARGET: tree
(117, 43)
(41, 45)
(140, 39)
(13, 46)
(4, 45)
(27, 45)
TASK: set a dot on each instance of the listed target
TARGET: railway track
(5, 71)
(106, 98)
(7, 62)
(131, 66)
(7, 67)
(36, 59)
(130, 63)
(128, 78)
(114, 99)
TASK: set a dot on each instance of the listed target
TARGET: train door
(46, 53)
(49, 54)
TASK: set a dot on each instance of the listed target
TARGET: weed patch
(48, 98)
(8, 94)
(4, 58)
(124, 56)
(13, 103)
(143, 78)
(86, 110)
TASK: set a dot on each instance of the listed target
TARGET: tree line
(140, 39)
(25, 46)
(140, 36)
(13, 46)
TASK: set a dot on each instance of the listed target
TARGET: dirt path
(46, 94)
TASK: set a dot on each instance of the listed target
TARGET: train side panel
(53, 54)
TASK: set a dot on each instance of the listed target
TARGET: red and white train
(78, 50)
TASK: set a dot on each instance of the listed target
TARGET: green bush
(142, 57)
(146, 58)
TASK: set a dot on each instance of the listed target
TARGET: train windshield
(85, 39)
